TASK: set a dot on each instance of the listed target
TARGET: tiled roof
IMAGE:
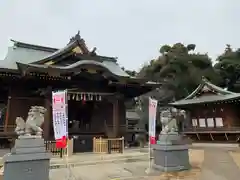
(219, 94)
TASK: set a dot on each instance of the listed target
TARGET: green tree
(228, 67)
(180, 69)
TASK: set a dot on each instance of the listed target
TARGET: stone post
(28, 160)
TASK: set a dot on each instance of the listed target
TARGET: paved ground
(3, 152)
(89, 158)
(217, 165)
(111, 171)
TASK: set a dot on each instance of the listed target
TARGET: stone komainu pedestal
(28, 160)
(171, 153)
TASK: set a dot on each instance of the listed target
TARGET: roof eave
(134, 83)
(95, 57)
(226, 99)
(7, 70)
(68, 69)
(33, 46)
(57, 54)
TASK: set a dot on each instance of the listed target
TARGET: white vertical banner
(60, 119)
(152, 120)
(152, 125)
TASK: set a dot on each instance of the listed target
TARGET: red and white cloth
(152, 120)
(59, 107)
(61, 143)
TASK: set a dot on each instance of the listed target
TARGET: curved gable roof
(109, 66)
(29, 53)
(218, 94)
(207, 84)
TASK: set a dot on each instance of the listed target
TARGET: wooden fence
(8, 128)
(105, 145)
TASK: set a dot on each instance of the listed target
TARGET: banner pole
(149, 152)
(149, 130)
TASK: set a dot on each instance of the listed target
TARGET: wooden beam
(238, 138)
(22, 98)
(198, 136)
(115, 118)
(211, 137)
(226, 136)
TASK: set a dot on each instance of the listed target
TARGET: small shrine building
(212, 114)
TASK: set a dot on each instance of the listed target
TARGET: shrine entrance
(88, 113)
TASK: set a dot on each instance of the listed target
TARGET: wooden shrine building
(212, 114)
(97, 88)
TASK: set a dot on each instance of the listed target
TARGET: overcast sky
(132, 30)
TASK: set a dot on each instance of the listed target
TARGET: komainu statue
(169, 123)
(33, 123)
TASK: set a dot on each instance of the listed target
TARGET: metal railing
(51, 147)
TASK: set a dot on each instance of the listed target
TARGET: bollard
(61, 153)
(109, 146)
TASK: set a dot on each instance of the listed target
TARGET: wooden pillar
(7, 114)
(47, 119)
(116, 118)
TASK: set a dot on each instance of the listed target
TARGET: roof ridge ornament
(80, 42)
(93, 52)
(76, 37)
